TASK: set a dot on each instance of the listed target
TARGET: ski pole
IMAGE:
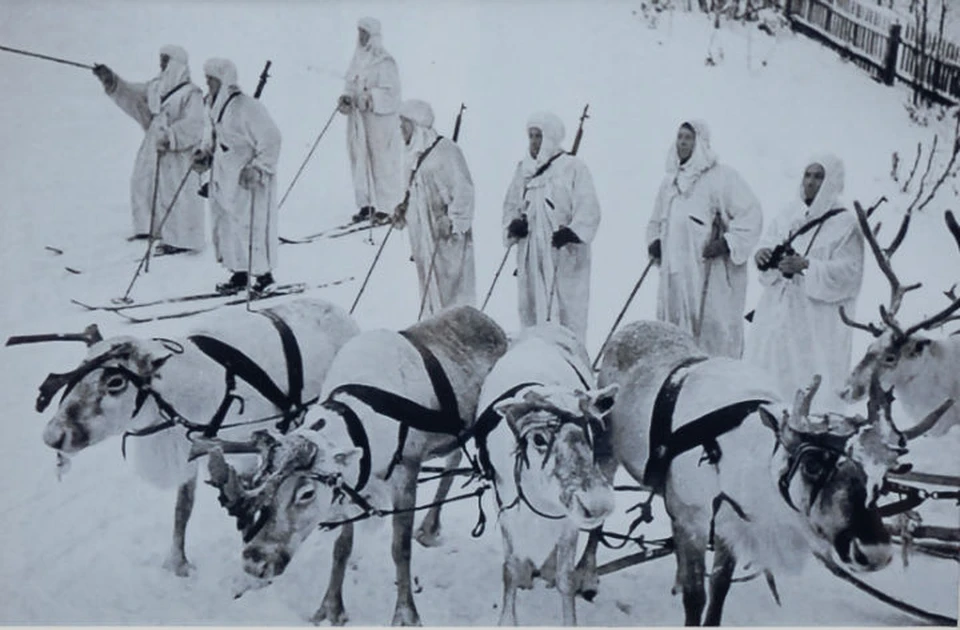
(553, 292)
(623, 311)
(307, 159)
(426, 286)
(46, 57)
(496, 277)
(153, 212)
(253, 199)
(370, 271)
(126, 296)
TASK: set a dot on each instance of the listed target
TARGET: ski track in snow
(89, 549)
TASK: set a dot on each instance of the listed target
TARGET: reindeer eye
(812, 466)
(539, 441)
(116, 384)
(305, 494)
(889, 358)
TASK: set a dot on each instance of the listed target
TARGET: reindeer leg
(428, 534)
(331, 608)
(548, 570)
(589, 581)
(404, 499)
(566, 551)
(691, 567)
(177, 560)
(508, 613)
(723, 566)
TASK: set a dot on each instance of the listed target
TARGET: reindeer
(541, 459)
(390, 402)
(738, 471)
(248, 371)
(922, 372)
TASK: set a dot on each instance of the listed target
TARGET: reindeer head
(900, 354)
(555, 468)
(831, 470)
(103, 393)
(298, 485)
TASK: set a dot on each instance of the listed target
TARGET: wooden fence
(873, 39)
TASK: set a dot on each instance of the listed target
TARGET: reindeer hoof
(406, 616)
(332, 612)
(429, 537)
(178, 566)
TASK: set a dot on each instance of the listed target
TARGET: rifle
(456, 126)
(263, 80)
(579, 136)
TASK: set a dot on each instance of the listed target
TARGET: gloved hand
(443, 227)
(250, 176)
(565, 236)
(365, 102)
(163, 143)
(654, 250)
(763, 256)
(400, 215)
(792, 265)
(716, 248)
(518, 228)
(201, 161)
(107, 77)
(344, 104)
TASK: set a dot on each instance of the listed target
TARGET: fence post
(893, 54)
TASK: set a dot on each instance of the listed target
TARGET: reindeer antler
(897, 289)
(869, 327)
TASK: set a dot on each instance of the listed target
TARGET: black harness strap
(401, 409)
(357, 434)
(438, 378)
(291, 351)
(420, 159)
(485, 424)
(666, 444)
(176, 88)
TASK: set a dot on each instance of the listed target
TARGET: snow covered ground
(89, 549)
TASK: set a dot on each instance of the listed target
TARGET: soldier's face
(686, 141)
(164, 60)
(406, 128)
(213, 84)
(536, 139)
(812, 181)
(363, 36)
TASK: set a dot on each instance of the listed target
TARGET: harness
(235, 363)
(406, 412)
(667, 443)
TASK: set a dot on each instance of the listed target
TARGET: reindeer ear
(345, 457)
(218, 467)
(156, 364)
(507, 408)
(602, 401)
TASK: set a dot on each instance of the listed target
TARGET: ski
(170, 300)
(280, 291)
(336, 232)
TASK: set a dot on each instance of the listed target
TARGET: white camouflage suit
(374, 142)
(690, 197)
(243, 135)
(797, 331)
(439, 214)
(167, 106)
(562, 196)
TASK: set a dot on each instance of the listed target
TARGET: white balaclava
(421, 115)
(176, 72)
(226, 71)
(828, 197)
(703, 158)
(553, 132)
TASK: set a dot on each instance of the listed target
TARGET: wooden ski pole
(370, 271)
(623, 311)
(46, 57)
(153, 212)
(307, 159)
(496, 277)
(253, 199)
